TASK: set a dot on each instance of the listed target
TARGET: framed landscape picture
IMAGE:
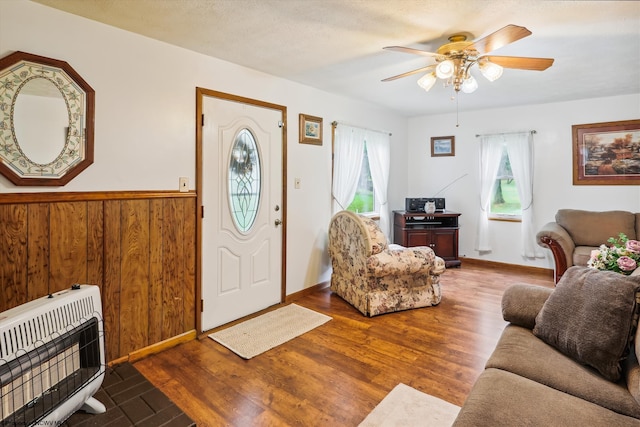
(443, 146)
(310, 130)
(606, 153)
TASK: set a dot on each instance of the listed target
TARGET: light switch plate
(183, 184)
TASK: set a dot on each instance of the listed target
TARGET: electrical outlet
(183, 184)
(296, 183)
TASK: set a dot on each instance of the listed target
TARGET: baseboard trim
(136, 355)
(504, 265)
(118, 361)
(306, 291)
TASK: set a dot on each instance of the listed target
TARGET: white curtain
(520, 151)
(490, 155)
(379, 152)
(347, 163)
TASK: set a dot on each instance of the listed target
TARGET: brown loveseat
(529, 382)
(575, 233)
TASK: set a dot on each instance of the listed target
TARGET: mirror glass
(46, 120)
(40, 101)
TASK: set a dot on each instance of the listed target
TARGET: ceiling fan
(455, 59)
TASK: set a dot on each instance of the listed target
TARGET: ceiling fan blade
(502, 37)
(521, 63)
(409, 73)
(410, 50)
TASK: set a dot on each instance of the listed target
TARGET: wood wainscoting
(138, 247)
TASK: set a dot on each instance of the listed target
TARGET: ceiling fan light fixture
(445, 69)
(490, 71)
(427, 81)
(469, 85)
(456, 59)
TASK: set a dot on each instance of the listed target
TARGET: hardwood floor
(337, 373)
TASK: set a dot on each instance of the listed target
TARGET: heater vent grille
(51, 357)
(44, 327)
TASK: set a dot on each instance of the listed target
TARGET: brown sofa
(528, 382)
(575, 233)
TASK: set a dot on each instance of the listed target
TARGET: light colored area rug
(405, 406)
(262, 333)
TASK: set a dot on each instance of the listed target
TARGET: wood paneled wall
(138, 247)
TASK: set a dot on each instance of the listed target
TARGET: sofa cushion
(632, 376)
(588, 228)
(591, 317)
(522, 353)
(521, 303)
(582, 254)
(406, 261)
(501, 398)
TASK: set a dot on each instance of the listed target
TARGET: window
(505, 201)
(364, 200)
(361, 160)
(244, 180)
(506, 187)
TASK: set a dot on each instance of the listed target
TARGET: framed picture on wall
(443, 146)
(310, 130)
(606, 153)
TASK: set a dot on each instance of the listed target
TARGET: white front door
(242, 193)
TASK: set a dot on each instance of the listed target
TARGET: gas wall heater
(52, 358)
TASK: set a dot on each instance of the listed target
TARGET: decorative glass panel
(244, 180)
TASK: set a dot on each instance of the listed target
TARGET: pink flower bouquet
(622, 256)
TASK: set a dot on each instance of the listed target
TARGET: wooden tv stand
(439, 231)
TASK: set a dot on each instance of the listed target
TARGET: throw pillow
(591, 317)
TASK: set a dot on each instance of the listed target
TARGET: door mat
(262, 333)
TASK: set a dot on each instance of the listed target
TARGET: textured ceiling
(336, 45)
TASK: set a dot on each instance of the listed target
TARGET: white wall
(145, 134)
(553, 176)
(145, 119)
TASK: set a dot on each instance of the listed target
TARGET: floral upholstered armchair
(375, 278)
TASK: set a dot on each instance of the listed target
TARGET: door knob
(278, 222)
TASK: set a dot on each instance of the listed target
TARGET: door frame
(200, 94)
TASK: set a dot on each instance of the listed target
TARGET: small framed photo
(443, 146)
(606, 153)
(310, 130)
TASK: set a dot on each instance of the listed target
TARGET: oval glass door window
(244, 180)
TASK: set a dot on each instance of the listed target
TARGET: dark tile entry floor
(131, 400)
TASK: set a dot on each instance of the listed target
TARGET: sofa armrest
(521, 304)
(558, 240)
(405, 261)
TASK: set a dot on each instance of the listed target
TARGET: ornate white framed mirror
(46, 120)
